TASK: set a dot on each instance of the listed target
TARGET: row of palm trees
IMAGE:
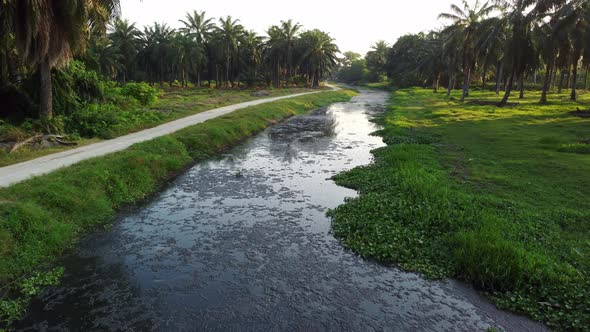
(507, 40)
(225, 53)
(46, 34)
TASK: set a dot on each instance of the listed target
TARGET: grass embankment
(494, 196)
(174, 103)
(42, 217)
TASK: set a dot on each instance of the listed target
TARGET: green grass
(177, 103)
(174, 103)
(42, 217)
(494, 196)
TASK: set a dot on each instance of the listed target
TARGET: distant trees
(504, 41)
(48, 34)
(224, 52)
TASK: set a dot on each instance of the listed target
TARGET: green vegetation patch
(483, 194)
(42, 217)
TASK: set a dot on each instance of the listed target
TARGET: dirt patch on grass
(580, 113)
(455, 161)
(488, 103)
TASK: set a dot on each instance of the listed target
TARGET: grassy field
(174, 103)
(42, 217)
(494, 196)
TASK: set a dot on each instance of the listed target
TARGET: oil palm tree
(157, 47)
(125, 38)
(319, 55)
(520, 48)
(48, 32)
(377, 57)
(574, 19)
(253, 45)
(229, 32)
(289, 31)
(199, 27)
(275, 53)
(466, 23)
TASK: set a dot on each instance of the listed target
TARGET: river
(242, 242)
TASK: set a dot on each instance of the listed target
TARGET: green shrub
(93, 120)
(108, 120)
(142, 92)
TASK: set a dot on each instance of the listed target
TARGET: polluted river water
(241, 242)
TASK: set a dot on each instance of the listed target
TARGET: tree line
(41, 36)
(508, 42)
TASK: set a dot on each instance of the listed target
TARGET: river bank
(42, 217)
(493, 196)
(241, 241)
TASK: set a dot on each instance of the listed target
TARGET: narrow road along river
(242, 242)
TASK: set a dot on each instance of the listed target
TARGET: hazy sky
(355, 25)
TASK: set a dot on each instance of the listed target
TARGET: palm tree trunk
(499, 73)
(546, 83)
(435, 83)
(586, 79)
(483, 78)
(521, 86)
(560, 86)
(450, 85)
(199, 78)
(227, 70)
(574, 96)
(46, 93)
(508, 90)
(466, 73)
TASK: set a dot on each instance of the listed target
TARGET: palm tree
(319, 55)
(158, 46)
(451, 52)
(275, 53)
(253, 49)
(377, 57)
(466, 22)
(489, 47)
(229, 33)
(574, 17)
(289, 32)
(520, 46)
(549, 46)
(199, 27)
(48, 32)
(103, 58)
(125, 38)
(430, 59)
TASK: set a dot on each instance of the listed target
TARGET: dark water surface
(242, 243)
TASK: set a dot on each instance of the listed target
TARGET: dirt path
(12, 174)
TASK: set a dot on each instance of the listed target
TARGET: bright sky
(355, 27)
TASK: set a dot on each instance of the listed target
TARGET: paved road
(12, 174)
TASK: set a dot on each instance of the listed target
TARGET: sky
(355, 25)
